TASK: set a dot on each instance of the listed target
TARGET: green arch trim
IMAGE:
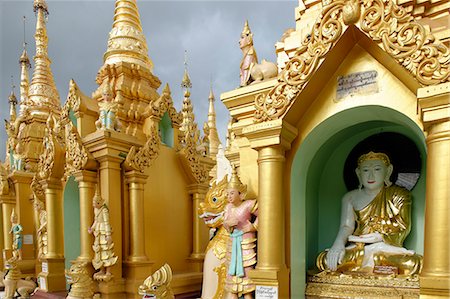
(316, 193)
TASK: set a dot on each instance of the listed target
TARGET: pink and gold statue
(249, 57)
(241, 253)
(103, 247)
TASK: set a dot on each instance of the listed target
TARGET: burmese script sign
(361, 83)
(265, 292)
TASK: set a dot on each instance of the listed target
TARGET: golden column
(199, 229)
(52, 277)
(24, 209)
(136, 181)
(111, 190)
(137, 263)
(434, 104)
(8, 204)
(271, 139)
(87, 181)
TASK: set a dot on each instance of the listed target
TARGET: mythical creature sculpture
(81, 284)
(103, 247)
(241, 254)
(108, 111)
(13, 282)
(249, 57)
(263, 71)
(158, 285)
(382, 213)
(214, 267)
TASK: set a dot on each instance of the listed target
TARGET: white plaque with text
(45, 267)
(27, 239)
(266, 292)
(42, 283)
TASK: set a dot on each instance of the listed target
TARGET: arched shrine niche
(323, 171)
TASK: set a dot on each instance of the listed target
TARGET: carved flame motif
(389, 25)
(162, 105)
(140, 159)
(158, 285)
(76, 154)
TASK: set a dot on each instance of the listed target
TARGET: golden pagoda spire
(25, 64)
(42, 90)
(214, 140)
(12, 103)
(126, 40)
(187, 109)
(186, 82)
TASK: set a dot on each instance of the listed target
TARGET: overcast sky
(208, 30)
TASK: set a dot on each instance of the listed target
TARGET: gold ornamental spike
(246, 29)
(214, 140)
(235, 182)
(42, 90)
(25, 64)
(126, 41)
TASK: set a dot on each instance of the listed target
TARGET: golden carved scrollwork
(4, 184)
(407, 41)
(73, 101)
(387, 24)
(76, 154)
(162, 105)
(53, 148)
(37, 188)
(140, 159)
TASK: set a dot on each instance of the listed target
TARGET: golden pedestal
(136, 272)
(113, 289)
(344, 286)
(276, 278)
(52, 277)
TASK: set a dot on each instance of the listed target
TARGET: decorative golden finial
(25, 64)
(235, 182)
(42, 90)
(213, 135)
(12, 102)
(246, 29)
(186, 82)
(126, 40)
(374, 156)
(24, 58)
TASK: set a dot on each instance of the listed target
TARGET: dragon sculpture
(214, 269)
(13, 282)
(81, 284)
(157, 286)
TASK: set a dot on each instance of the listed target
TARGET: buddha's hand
(334, 257)
(367, 238)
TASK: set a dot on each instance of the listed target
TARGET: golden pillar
(24, 210)
(434, 104)
(137, 264)
(86, 184)
(52, 277)
(8, 204)
(199, 229)
(111, 192)
(271, 140)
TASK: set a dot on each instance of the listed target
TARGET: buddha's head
(374, 170)
(236, 191)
